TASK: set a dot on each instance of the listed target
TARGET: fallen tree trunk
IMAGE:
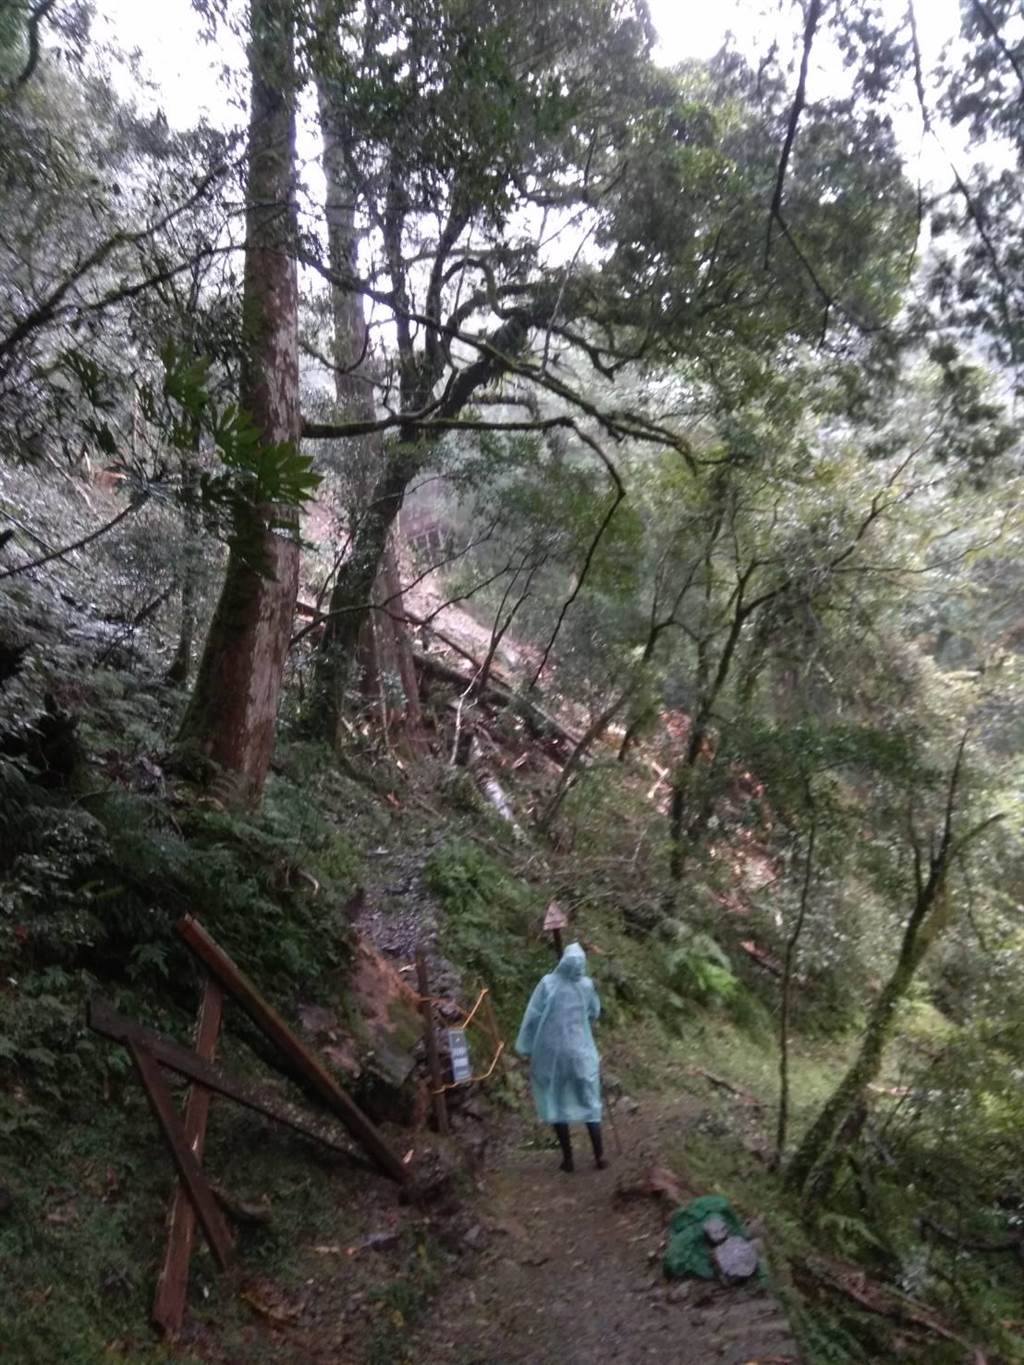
(854, 1284)
(1014, 1244)
(498, 692)
(540, 724)
(495, 794)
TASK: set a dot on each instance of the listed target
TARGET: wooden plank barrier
(203, 1199)
(299, 1057)
(193, 1198)
(174, 1057)
(172, 1280)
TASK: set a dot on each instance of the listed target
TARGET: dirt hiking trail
(572, 1274)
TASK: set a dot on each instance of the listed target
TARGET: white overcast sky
(185, 71)
(166, 33)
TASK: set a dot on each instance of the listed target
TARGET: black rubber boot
(596, 1141)
(562, 1133)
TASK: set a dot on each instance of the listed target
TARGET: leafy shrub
(698, 969)
(491, 922)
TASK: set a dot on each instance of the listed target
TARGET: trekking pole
(615, 1126)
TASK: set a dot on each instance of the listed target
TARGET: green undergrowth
(92, 881)
(490, 923)
(81, 1241)
(94, 876)
(921, 1152)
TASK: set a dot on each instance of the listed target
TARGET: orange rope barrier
(466, 1021)
(472, 1013)
(473, 1080)
(447, 1000)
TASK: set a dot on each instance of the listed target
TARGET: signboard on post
(462, 1069)
(555, 920)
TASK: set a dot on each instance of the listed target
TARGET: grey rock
(716, 1229)
(735, 1260)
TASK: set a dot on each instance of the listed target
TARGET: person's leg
(562, 1133)
(596, 1141)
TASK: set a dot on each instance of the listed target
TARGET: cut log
(495, 795)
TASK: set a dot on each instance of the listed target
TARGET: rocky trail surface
(572, 1274)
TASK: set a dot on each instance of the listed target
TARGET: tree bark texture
(232, 716)
(786, 996)
(371, 568)
(181, 664)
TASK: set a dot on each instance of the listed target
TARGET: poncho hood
(573, 963)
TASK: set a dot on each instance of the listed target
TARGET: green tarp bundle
(689, 1251)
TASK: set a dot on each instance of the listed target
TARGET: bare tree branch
(799, 100)
(35, 18)
(78, 544)
(619, 495)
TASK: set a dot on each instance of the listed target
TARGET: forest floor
(573, 1270)
(537, 1267)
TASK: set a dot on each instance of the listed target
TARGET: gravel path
(572, 1275)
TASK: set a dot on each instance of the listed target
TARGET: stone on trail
(716, 1229)
(735, 1260)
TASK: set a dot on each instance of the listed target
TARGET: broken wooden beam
(106, 1021)
(299, 1057)
(172, 1280)
(207, 1209)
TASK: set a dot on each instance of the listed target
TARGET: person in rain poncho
(564, 1066)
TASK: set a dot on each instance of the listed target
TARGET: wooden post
(172, 1281)
(312, 1070)
(206, 1206)
(430, 1038)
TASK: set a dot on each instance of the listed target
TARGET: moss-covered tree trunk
(927, 920)
(232, 716)
(819, 1141)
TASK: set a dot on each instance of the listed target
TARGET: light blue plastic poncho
(555, 1035)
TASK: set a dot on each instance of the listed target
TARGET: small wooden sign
(462, 1069)
(555, 918)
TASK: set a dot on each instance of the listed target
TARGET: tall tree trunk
(786, 995)
(372, 567)
(181, 664)
(404, 654)
(683, 780)
(231, 719)
(821, 1138)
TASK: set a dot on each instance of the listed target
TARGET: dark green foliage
(491, 926)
